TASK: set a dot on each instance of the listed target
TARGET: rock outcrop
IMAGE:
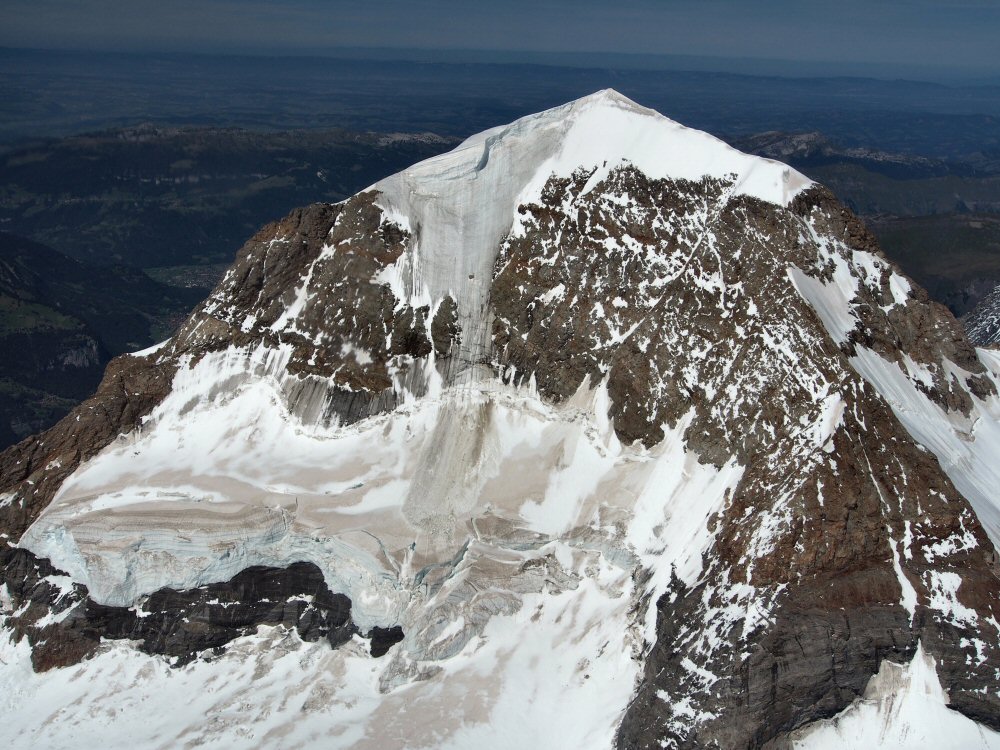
(682, 301)
(982, 324)
(64, 625)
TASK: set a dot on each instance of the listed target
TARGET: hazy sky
(965, 33)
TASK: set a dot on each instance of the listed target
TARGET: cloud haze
(919, 32)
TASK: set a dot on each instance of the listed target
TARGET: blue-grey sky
(959, 34)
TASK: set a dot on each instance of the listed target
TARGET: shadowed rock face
(63, 625)
(384, 638)
(982, 323)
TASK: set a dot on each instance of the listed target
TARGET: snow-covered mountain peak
(600, 430)
(458, 206)
(604, 130)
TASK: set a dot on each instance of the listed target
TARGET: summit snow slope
(460, 204)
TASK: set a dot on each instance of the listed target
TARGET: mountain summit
(593, 432)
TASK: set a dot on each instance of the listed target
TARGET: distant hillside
(956, 257)
(61, 321)
(938, 219)
(152, 196)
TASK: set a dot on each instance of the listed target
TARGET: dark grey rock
(179, 624)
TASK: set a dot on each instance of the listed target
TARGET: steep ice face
(460, 205)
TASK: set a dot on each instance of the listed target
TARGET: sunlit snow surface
(532, 618)
(903, 708)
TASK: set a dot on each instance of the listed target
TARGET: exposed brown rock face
(33, 470)
(311, 282)
(680, 296)
(445, 330)
(920, 328)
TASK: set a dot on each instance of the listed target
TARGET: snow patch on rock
(904, 707)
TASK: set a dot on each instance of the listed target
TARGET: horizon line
(668, 62)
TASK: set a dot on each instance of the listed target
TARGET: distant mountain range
(65, 93)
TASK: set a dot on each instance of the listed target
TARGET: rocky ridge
(806, 543)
